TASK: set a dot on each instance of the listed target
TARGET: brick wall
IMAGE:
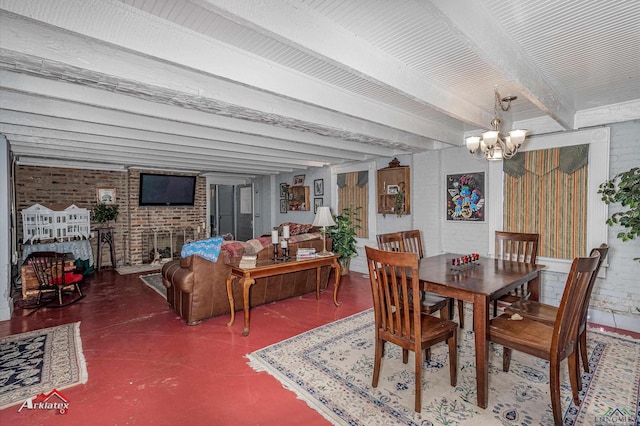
(57, 188)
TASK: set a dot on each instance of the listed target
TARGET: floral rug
(39, 361)
(331, 368)
(155, 282)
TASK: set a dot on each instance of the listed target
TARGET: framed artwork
(283, 205)
(283, 190)
(318, 187)
(317, 202)
(106, 195)
(465, 197)
(298, 180)
(393, 189)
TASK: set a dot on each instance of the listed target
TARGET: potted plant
(624, 188)
(104, 213)
(343, 236)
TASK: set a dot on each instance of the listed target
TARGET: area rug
(331, 368)
(155, 282)
(134, 269)
(39, 361)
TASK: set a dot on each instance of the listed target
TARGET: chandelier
(493, 145)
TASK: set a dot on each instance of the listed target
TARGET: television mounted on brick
(166, 190)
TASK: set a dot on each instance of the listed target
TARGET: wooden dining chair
(396, 242)
(517, 247)
(547, 313)
(49, 269)
(552, 342)
(395, 288)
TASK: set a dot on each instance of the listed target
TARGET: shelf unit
(298, 198)
(392, 180)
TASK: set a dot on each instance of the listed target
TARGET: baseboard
(615, 320)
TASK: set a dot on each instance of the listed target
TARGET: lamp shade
(473, 142)
(517, 136)
(323, 217)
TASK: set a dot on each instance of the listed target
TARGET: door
(244, 208)
(231, 209)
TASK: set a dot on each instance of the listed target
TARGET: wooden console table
(265, 269)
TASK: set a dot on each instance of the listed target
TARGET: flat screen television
(166, 190)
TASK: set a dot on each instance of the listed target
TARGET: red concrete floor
(147, 367)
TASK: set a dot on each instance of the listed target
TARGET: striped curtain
(355, 192)
(548, 196)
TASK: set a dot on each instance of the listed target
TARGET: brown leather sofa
(197, 290)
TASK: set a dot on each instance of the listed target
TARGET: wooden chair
(548, 313)
(50, 271)
(398, 316)
(410, 241)
(553, 342)
(518, 247)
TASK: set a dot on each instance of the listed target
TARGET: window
(545, 192)
(353, 174)
(353, 191)
(598, 171)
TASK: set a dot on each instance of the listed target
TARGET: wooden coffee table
(269, 268)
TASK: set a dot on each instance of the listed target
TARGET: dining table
(479, 282)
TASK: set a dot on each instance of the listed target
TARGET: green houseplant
(104, 213)
(343, 236)
(624, 188)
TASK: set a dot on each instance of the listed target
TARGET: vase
(344, 266)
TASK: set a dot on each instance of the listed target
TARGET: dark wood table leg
(534, 287)
(336, 283)
(246, 284)
(230, 280)
(318, 270)
(481, 327)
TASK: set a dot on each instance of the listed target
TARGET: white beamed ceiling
(250, 88)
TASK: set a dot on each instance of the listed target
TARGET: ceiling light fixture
(493, 145)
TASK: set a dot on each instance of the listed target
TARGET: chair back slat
(48, 268)
(412, 241)
(570, 309)
(390, 242)
(517, 246)
(396, 300)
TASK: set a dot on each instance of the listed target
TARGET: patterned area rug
(40, 361)
(331, 369)
(155, 282)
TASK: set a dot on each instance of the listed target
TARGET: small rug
(155, 282)
(133, 269)
(331, 368)
(39, 361)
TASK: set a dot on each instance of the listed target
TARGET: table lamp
(323, 218)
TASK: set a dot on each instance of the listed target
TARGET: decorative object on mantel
(394, 163)
(624, 188)
(323, 218)
(493, 145)
(42, 223)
